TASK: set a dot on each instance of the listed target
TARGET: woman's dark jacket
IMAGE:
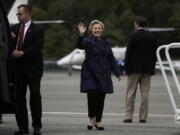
(97, 66)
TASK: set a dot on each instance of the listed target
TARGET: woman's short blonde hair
(92, 24)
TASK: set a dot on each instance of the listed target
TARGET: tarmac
(65, 109)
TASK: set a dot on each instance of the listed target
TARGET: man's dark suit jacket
(140, 55)
(31, 63)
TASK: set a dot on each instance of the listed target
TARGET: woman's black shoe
(99, 127)
(89, 127)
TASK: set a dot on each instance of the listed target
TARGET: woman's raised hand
(82, 28)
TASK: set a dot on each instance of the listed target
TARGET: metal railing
(170, 67)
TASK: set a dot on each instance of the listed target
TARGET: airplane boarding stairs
(169, 67)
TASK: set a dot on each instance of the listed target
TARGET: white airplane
(75, 59)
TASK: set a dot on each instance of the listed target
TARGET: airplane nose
(74, 58)
(62, 62)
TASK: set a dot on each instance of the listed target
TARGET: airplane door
(5, 93)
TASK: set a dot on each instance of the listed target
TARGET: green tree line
(117, 15)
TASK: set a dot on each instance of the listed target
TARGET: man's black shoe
(142, 121)
(127, 121)
(21, 132)
(37, 131)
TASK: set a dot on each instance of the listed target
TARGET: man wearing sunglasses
(28, 41)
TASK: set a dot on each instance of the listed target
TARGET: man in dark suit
(140, 60)
(28, 43)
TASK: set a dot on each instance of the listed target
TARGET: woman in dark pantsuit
(96, 70)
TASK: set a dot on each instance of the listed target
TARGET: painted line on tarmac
(108, 114)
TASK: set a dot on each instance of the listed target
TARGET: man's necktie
(21, 37)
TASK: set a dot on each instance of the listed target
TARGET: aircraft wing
(49, 21)
(158, 29)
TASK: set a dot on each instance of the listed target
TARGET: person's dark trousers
(95, 104)
(35, 102)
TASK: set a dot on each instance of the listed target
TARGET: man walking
(140, 60)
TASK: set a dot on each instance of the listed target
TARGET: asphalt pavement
(65, 109)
